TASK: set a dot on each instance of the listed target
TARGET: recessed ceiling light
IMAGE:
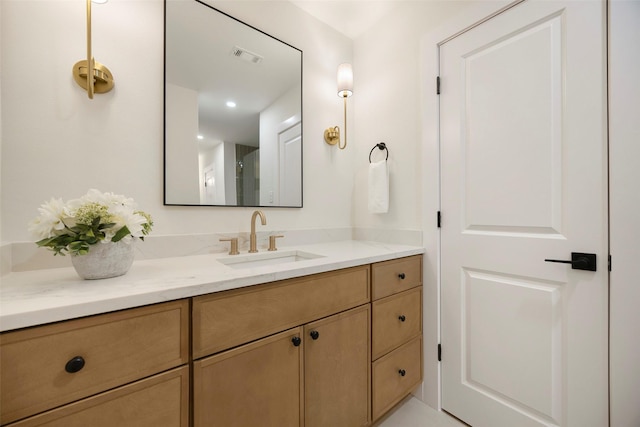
(231, 104)
(200, 137)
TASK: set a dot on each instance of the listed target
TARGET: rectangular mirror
(233, 112)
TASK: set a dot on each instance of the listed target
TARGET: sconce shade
(345, 80)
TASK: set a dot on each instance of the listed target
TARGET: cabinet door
(258, 384)
(337, 370)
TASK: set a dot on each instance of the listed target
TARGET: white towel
(378, 187)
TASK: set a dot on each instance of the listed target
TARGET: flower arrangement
(94, 218)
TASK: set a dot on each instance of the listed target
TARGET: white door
(290, 148)
(524, 179)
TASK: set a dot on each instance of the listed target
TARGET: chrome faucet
(252, 236)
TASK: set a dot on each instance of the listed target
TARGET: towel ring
(381, 146)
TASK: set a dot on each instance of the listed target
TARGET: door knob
(314, 335)
(579, 261)
(296, 341)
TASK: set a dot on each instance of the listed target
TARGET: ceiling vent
(246, 55)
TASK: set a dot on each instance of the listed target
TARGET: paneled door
(524, 179)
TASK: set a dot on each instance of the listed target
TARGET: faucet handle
(272, 242)
(233, 250)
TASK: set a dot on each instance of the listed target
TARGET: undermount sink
(267, 258)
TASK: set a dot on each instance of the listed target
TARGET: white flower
(51, 219)
(94, 218)
(124, 216)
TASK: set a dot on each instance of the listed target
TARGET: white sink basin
(267, 258)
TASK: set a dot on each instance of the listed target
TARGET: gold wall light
(345, 90)
(91, 75)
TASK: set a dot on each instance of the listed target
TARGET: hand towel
(379, 187)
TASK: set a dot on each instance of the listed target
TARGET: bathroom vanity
(331, 340)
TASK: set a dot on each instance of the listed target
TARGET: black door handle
(579, 261)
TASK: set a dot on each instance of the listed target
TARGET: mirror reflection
(233, 112)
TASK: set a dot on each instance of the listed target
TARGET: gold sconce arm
(345, 90)
(332, 134)
(88, 73)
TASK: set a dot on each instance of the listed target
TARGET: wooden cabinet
(314, 374)
(312, 351)
(396, 331)
(48, 366)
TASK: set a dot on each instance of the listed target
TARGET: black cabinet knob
(296, 341)
(402, 372)
(401, 276)
(314, 335)
(402, 318)
(74, 365)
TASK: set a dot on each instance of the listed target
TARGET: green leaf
(124, 231)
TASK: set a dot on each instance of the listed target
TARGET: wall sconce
(91, 75)
(345, 90)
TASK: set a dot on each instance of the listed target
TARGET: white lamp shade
(345, 80)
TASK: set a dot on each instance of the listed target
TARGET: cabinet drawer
(390, 277)
(228, 319)
(396, 319)
(389, 385)
(117, 348)
(159, 401)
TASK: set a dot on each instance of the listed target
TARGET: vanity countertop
(44, 296)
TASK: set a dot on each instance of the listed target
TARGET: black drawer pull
(402, 318)
(296, 341)
(401, 276)
(314, 334)
(74, 365)
(402, 372)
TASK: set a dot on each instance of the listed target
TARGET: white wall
(624, 151)
(58, 143)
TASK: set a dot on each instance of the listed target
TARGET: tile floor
(413, 413)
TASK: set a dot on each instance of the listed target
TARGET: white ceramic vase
(104, 260)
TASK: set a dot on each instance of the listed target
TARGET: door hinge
(438, 85)
(439, 220)
(609, 262)
(439, 353)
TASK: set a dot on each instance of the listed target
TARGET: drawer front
(159, 401)
(389, 385)
(390, 277)
(228, 319)
(117, 348)
(396, 319)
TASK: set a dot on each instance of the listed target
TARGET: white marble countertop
(44, 296)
